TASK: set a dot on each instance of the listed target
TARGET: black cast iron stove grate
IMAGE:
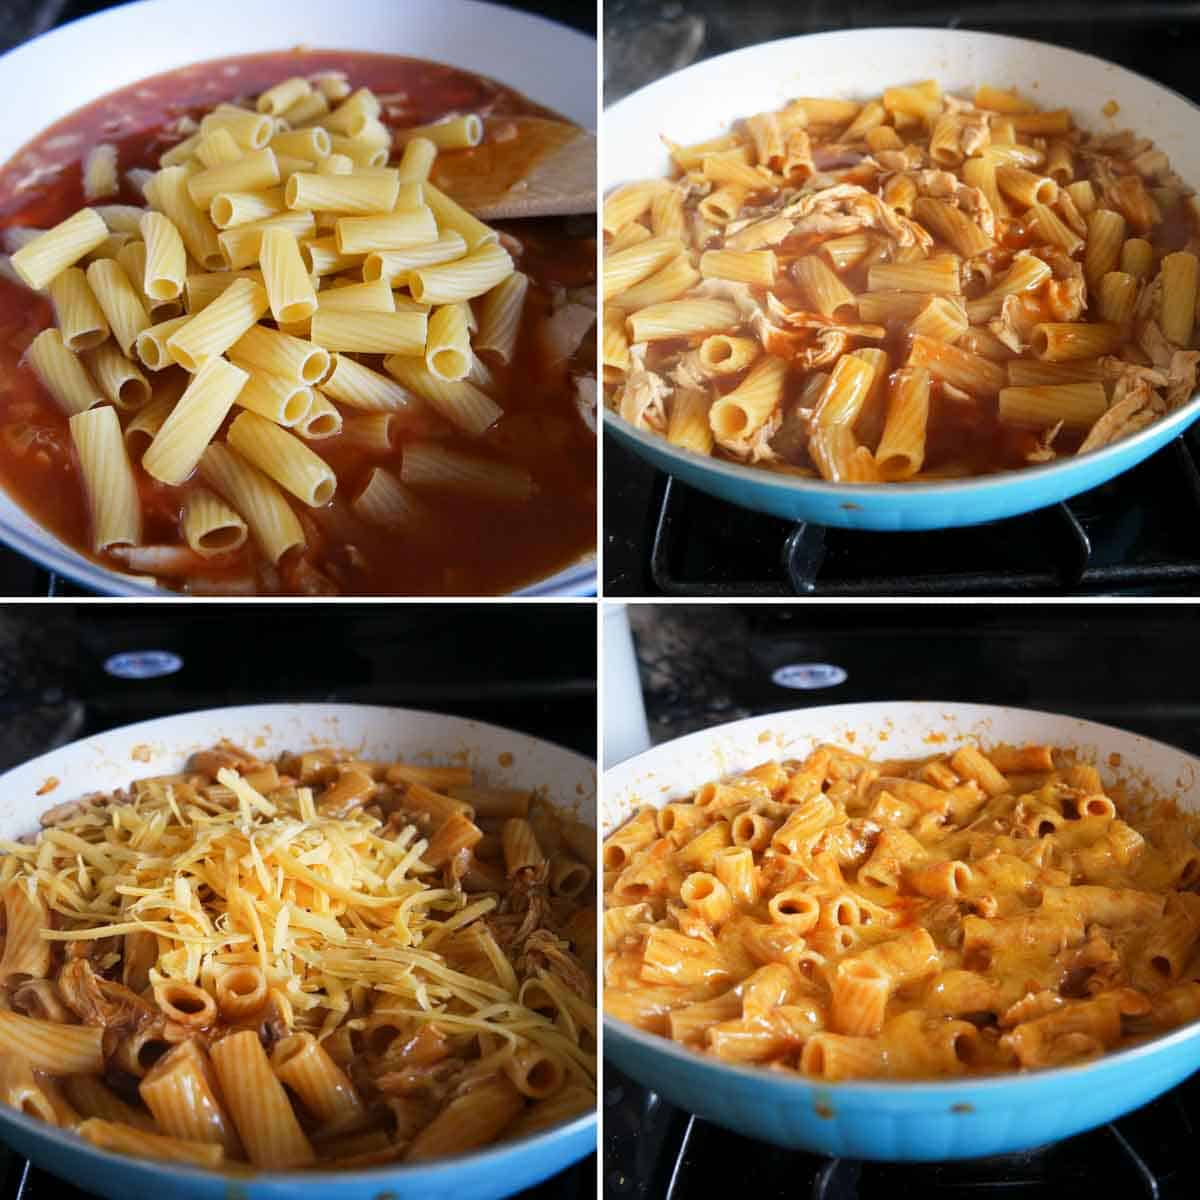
(1140, 533)
(654, 1151)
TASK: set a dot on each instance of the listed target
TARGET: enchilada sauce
(478, 545)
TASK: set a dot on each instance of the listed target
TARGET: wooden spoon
(524, 167)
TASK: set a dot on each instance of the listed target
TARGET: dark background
(1128, 665)
(529, 667)
(1156, 37)
(23, 19)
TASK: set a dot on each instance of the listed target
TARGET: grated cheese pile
(331, 909)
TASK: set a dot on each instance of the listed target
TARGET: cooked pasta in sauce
(475, 535)
(409, 951)
(914, 287)
(972, 912)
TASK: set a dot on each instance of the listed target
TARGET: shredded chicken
(566, 329)
(1149, 301)
(39, 998)
(737, 293)
(98, 1001)
(1181, 378)
(975, 134)
(831, 210)
(1014, 325)
(1134, 406)
(1066, 298)
(688, 375)
(523, 910)
(545, 952)
(1114, 368)
(64, 812)
(810, 320)
(1153, 342)
(643, 400)
(755, 446)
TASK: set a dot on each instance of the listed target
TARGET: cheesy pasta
(969, 913)
(936, 286)
(313, 961)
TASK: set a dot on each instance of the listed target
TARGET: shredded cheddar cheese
(344, 918)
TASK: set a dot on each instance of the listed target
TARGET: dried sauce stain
(823, 1110)
(765, 736)
(141, 754)
(1114, 761)
(934, 739)
(505, 759)
(49, 785)
(962, 1108)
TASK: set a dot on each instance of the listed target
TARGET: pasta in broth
(255, 300)
(973, 912)
(918, 286)
(317, 961)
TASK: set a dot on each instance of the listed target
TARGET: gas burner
(1134, 535)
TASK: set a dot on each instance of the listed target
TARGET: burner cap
(808, 677)
(143, 664)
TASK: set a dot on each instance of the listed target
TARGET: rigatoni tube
(80, 318)
(1076, 405)
(211, 332)
(401, 333)
(43, 257)
(259, 1105)
(61, 373)
(743, 410)
(284, 458)
(178, 445)
(273, 524)
(901, 450)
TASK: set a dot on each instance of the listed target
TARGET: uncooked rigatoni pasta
(966, 239)
(276, 279)
(978, 911)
